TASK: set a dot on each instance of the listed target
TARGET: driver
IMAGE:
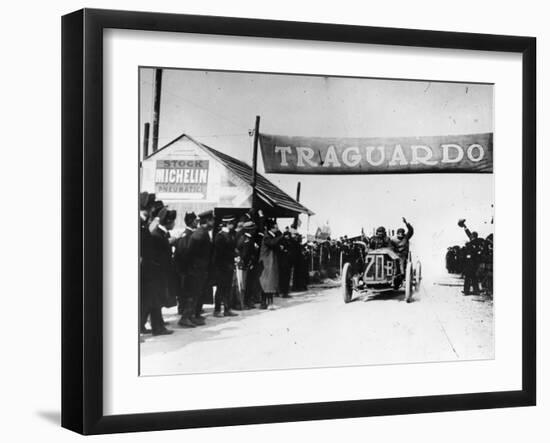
(380, 239)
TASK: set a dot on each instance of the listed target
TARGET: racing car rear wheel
(347, 283)
(417, 275)
(408, 282)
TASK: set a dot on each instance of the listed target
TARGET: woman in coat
(269, 278)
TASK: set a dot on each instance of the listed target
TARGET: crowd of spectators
(474, 261)
(233, 263)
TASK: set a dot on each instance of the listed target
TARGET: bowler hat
(166, 216)
(146, 200)
(158, 205)
(189, 218)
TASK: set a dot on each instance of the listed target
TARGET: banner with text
(377, 155)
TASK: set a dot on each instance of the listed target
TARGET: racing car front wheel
(347, 283)
(408, 282)
(417, 275)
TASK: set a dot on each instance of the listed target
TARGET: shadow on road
(395, 296)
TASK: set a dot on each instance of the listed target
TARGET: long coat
(201, 250)
(168, 283)
(181, 255)
(224, 254)
(149, 271)
(269, 278)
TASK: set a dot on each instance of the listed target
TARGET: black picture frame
(82, 218)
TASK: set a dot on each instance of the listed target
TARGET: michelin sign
(188, 178)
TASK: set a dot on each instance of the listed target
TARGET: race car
(380, 272)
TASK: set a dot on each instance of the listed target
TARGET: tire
(417, 275)
(347, 283)
(408, 282)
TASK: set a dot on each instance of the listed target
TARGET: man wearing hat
(147, 273)
(186, 303)
(269, 277)
(473, 251)
(201, 248)
(285, 258)
(246, 253)
(400, 244)
(380, 239)
(162, 260)
(157, 206)
(486, 265)
(224, 265)
(300, 276)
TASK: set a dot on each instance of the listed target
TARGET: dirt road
(317, 329)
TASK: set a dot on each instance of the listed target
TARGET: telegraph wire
(197, 105)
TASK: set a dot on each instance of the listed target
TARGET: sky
(219, 109)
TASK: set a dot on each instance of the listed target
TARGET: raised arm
(410, 229)
(462, 224)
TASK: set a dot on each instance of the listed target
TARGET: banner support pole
(255, 161)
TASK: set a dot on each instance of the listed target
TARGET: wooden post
(297, 218)
(156, 108)
(146, 127)
(255, 161)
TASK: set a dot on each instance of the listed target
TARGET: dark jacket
(149, 271)
(168, 283)
(402, 246)
(246, 251)
(224, 251)
(181, 255)
(200, 250)
(379, 242)
(145, 251)
(473, 249)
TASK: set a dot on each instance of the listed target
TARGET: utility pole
(156, 108)
(146, 127)
(297, 218)
(255, 161)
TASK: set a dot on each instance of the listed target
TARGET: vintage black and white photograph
(307, 221)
